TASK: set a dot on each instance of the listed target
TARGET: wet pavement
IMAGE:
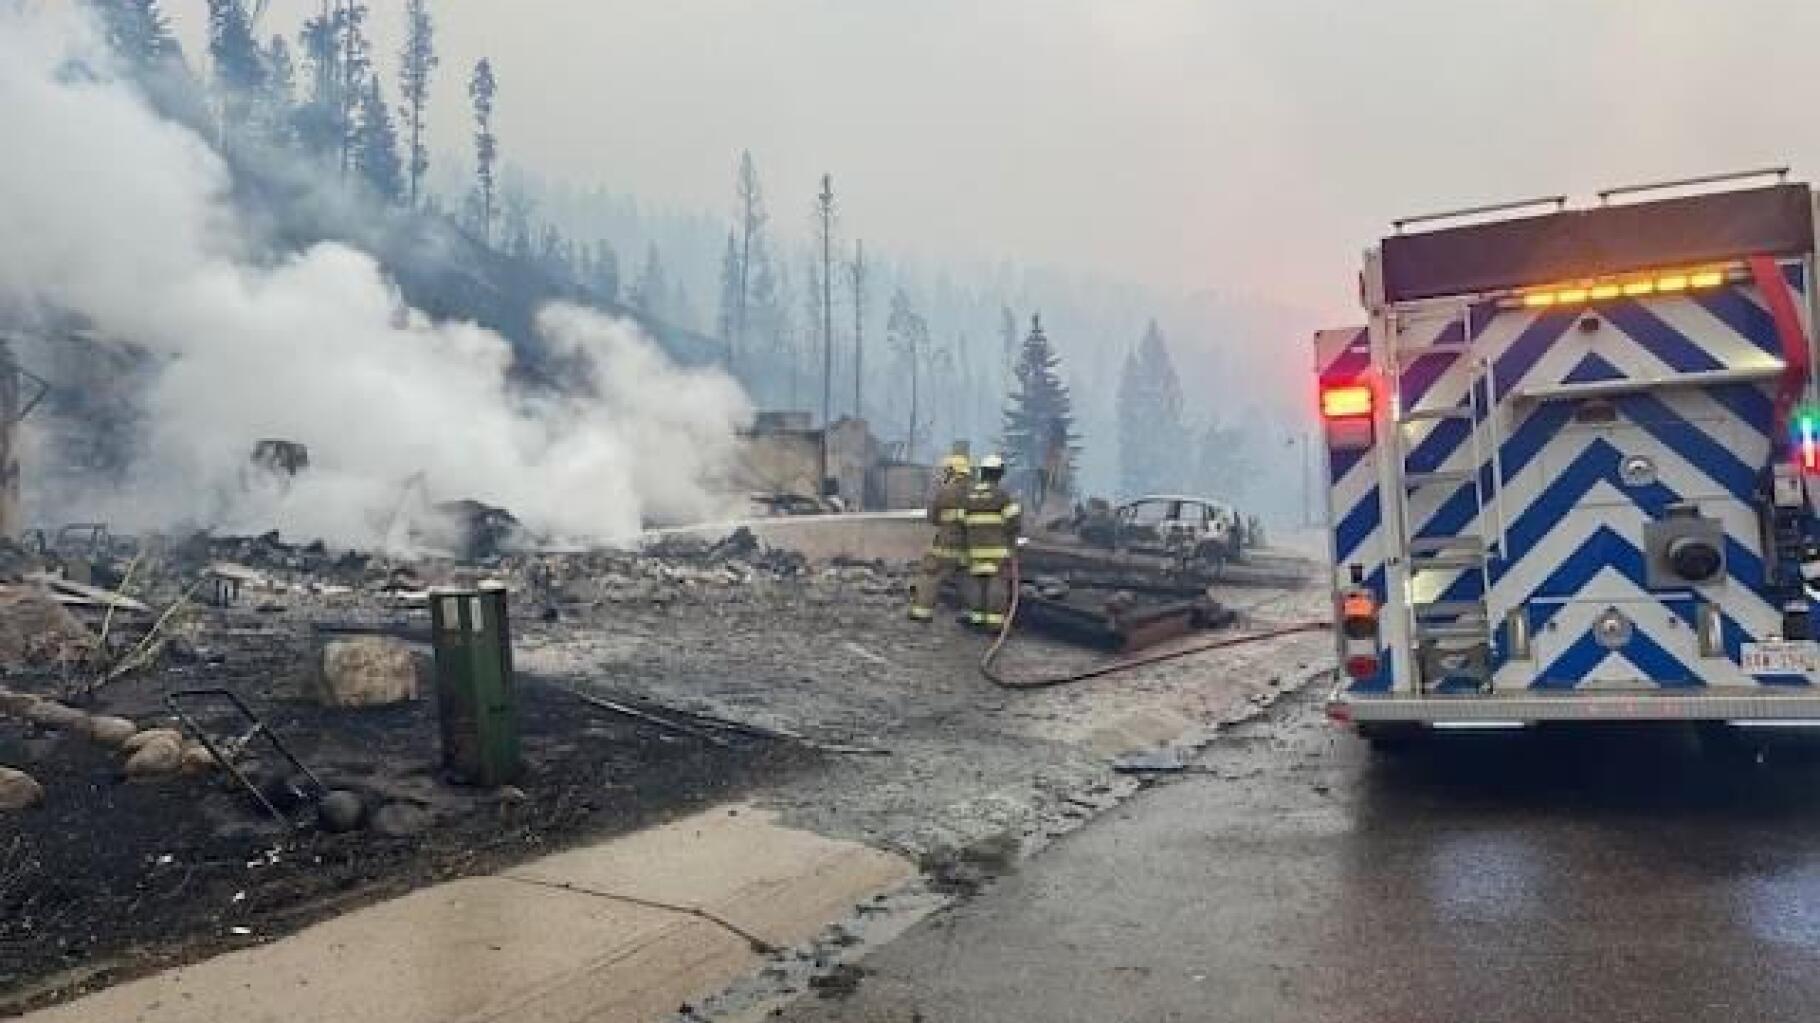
(1622, 875)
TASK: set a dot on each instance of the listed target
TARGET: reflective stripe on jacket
(991, 523)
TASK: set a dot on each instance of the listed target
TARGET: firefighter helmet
(957, 465)
(992, 466)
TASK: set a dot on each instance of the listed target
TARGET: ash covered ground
(863, 725)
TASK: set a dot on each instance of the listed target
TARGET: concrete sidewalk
(626, 930)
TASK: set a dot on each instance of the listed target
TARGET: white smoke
(113, 213)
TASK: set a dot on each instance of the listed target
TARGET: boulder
(110, 731)
(156, 759)
(340, 811)
(197, 759)
(18, 790)
(51, 714)
(368, 671)
(400, 820)
(36, 630)
(133, 743)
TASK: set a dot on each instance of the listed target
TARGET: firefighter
(947, 553)
(992, 518)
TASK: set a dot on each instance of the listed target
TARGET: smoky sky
(1249, 148)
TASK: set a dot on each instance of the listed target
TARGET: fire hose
(1117, 664)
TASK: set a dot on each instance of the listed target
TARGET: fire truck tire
(1387, 739)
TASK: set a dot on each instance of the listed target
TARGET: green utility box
(475, 695)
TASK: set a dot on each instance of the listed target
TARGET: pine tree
(482, 89)
(318, 123)
(238, 64)
(1226, 462)
(603, 275)
(376, 146)
(417, 61)
(276, 104)
(137, 30)
(824, 220)
(651, 294)
(515, 209)
(907, 334)
(750, 211)
(1039, 419)
(1008, 339)
(1151, 434)
(354, 70)
(727, 317)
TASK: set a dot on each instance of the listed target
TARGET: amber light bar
(1666, 282)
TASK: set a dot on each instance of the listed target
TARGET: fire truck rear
(1569, 463)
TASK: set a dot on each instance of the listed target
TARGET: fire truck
(1571, 462)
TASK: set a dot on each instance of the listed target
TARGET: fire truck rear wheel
(1392, 738)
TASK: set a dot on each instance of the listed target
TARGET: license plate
(1781, 657)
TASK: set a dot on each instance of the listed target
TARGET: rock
(110, 731)
(51, 714)
(36, 630)
(155, 759)
(18, 790)
(340, 811)
(400, 820)
(368, 671)
(197, 759)
(284, 791)
(136, 741)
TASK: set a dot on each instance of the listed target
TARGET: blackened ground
(111, 878)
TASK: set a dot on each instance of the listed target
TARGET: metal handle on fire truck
(1781, 174)
(1558, 201)
(1497, 457)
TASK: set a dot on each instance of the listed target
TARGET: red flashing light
(1362, 666)
(1348, 401)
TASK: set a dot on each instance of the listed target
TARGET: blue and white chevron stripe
(1568, 529)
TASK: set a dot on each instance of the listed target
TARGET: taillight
(1359, 616)
(1359, 627)
(1346, 401)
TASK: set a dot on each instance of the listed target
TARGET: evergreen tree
(727, 319)
(276, 102)
(1039, 419)
(515, 209)
(553, 254)
(137, 30)
(376, 147)
(354, 66)
(907, 335)
(603, 275)
(1008, 339)
(750, 212)
(482, 88)
(237, 62)
(1226, 462)
(417, 61)
(651, 294)
(318, 122)
(1151, 434)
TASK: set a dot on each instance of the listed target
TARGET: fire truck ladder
(1444, 630)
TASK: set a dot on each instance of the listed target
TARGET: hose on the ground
(1117, 664)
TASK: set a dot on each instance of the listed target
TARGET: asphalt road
(1617, 876)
